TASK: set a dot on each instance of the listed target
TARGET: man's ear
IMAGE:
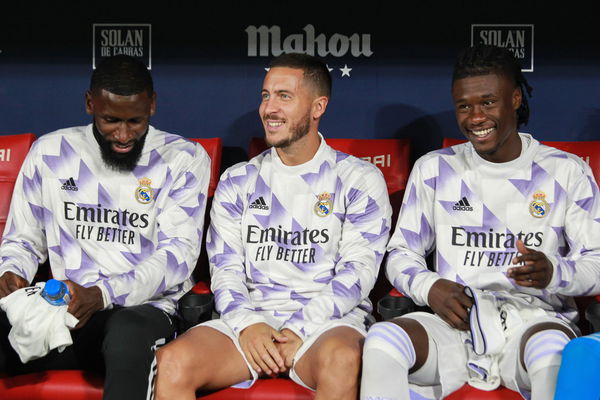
(153, 104)
(319, 106)
(517, 98)
(89, 105)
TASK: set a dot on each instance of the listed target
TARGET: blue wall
(208, 86)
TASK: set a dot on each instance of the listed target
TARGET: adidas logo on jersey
(259, 204)
(462, 205)
(69, 184)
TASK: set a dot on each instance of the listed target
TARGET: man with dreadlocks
(117, 207)
(515, 229)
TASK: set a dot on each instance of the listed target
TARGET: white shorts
(452, 356)
(222, 327)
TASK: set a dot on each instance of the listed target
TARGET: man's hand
(84, 302)
(289, 348)
(537, 271)
(448, 300)
(9, 282)
(258, 343)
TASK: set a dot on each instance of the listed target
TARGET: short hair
(486, 59)
(315, 70)
(122, 75)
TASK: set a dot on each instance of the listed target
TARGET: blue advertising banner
(391, 69)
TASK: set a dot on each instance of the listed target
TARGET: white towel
(487, 332)
(486, 337)
(37, 326)
(493, 319)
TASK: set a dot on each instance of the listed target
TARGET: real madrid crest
(324, 206)
(539, 207)
(144, 193)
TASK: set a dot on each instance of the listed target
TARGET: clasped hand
(268, 350)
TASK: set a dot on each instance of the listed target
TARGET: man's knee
(174, 364)
(340, 357)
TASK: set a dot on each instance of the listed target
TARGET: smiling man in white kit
(515, 227)
(296, 239)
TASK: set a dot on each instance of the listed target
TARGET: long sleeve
(225, 248)
(578, 272)
(413, 239)
(24, 242)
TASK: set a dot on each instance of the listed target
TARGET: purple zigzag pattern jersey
(472, 212)
(136, 235)
(298, 246)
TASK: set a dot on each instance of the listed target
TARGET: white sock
(542, 357)
(388, 354)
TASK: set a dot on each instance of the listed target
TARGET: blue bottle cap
(53, 287)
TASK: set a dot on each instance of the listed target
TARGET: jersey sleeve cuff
(14, 269)
(423, 284)
(105, 296)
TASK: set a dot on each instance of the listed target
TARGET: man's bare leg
(332, 364)
(201, 358)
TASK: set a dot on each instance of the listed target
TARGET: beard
(298, 131)
(121, 162)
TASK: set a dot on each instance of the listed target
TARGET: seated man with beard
(295, 242)
(116, 207)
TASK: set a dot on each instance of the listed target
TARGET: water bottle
(56, 293)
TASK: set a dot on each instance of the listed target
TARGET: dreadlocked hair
(486, 59)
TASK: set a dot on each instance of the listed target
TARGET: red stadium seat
(589, 151)
(196, 306)
(52, 385)
(76, 384)
(448, 142)
(13, 149)
(214, 148)
(467, 392)
(257, 146)
(265, 389)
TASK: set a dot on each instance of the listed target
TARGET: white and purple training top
(300, 245)
(472, 212)
(136, 235)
